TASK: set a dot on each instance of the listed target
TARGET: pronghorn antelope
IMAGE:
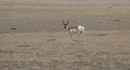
(73, 29)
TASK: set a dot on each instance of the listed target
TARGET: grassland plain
(32, 36)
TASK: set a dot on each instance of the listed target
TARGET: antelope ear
(68, 22)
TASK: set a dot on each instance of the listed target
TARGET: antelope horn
(63, 22)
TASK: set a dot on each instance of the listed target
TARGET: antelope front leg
(71, 35)
(78, 34)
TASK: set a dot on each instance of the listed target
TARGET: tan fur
(75, 27)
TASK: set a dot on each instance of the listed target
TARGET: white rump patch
(81, 28)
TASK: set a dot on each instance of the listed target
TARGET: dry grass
(33, 38)
(37, 15)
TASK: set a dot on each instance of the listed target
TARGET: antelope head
(65, 24)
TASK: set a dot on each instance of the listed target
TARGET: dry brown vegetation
(32, 36)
